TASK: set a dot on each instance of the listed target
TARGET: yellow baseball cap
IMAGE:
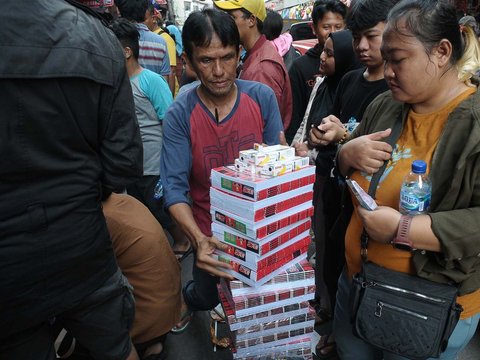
(256, 7)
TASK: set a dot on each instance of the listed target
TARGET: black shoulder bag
(397, 312)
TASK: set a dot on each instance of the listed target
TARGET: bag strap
(372, 189)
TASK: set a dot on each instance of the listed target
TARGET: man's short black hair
(365, 14)
(321, 7)
(133, 10)
(127, 34)
(273, 25)
(200, 27)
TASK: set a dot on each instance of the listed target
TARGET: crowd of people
(112, 119)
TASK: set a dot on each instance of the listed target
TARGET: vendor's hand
(330, 130)
(381, 224)
(206, 262)
(367, 153)
(301, 149)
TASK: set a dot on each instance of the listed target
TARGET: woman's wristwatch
(401, 241)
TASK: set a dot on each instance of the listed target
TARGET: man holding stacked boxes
(206, 127)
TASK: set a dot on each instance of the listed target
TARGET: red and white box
(263, 246)
(298, 275)
(262, 209)
(280, 256)
(261, 302)
(261, 276)
(261, 229)
(258, 187)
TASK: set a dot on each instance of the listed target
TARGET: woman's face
(411, 73)
(327, 60)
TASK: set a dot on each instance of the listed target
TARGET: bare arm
(382, 226)
(204, 245)
(171, 80)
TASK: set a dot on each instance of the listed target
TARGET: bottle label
(412, 203)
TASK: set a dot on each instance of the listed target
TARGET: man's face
(242, 21)
(329, 23)
(215, 66)
(149, 20)
(366, 44)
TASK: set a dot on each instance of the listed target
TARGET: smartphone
(365, 200)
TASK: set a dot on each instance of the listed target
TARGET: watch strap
(401, 241)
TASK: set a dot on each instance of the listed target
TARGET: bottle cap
(419, 167)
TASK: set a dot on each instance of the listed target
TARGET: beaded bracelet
(344, 137)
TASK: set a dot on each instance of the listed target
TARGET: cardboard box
(259, 247)
(276, 258)
(262, 209)
(300, 274)
(261, 229)
(258, 187)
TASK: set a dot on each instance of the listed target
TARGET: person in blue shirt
(153, 53)
(152, 97)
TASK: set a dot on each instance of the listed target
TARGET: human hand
(381, 224)
(206, 262)
(301, 149)
(367, 153)
(330, 130)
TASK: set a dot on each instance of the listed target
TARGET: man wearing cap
(154, 21)
(204, 128)
(262, 63)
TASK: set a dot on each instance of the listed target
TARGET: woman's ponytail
(469, 63)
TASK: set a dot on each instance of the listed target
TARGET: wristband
(401, 241)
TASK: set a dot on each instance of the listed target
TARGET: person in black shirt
(327, 16)
(355, 92)
(68, 136)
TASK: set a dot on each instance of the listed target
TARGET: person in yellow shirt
(429, 65)
(154, 21)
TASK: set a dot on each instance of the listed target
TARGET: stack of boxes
(261, 209)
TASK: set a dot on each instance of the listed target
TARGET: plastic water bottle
(416, 190)
(158, 192)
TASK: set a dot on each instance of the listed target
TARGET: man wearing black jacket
(68, 134)
(327, 16)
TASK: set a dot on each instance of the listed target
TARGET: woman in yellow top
(428, 65)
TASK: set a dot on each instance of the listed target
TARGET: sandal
(182, 254)
(326, 349)
(223, 342)
(187, 316)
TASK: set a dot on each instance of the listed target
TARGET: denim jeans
(349, 347)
